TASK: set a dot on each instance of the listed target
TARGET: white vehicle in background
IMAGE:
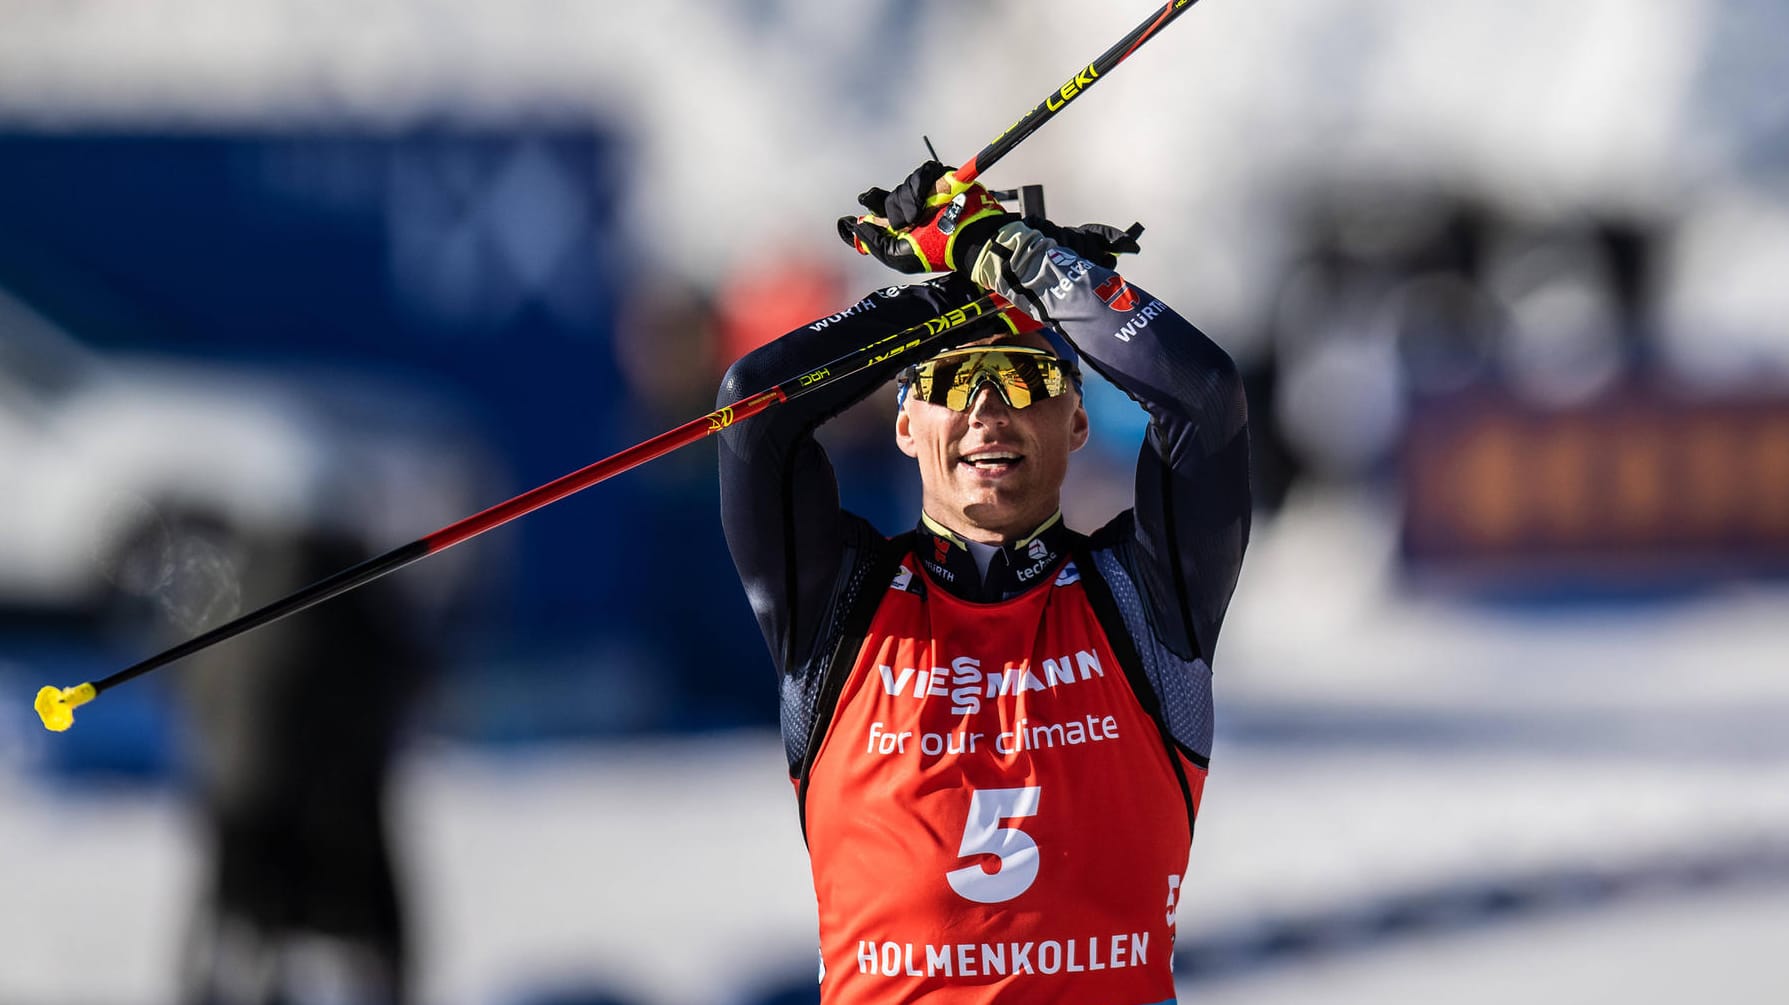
(119, 476)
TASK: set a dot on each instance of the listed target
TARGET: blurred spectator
(666, 345)
(295, 726)
(1563, 334)
(1399, 293)
(671, 626)
(770, 294)
(759, 302)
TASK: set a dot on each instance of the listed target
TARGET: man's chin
(1000, 515)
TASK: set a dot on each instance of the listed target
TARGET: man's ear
(904, 432)
(1077, 434)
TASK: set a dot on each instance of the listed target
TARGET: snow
(1409, 798)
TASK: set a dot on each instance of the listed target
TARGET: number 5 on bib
(983, 835)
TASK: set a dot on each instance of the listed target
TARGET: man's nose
(986, 404)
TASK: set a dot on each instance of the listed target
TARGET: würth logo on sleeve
(1117, 293)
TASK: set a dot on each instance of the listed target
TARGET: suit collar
(1016, 566)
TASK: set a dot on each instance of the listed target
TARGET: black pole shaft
(310, 596)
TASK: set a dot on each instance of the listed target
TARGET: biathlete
(998, 728)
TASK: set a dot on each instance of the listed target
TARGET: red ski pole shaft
(55, 706)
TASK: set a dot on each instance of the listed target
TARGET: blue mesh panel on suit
(1183, 686)
(801, 690)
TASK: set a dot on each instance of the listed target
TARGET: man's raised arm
(779, 498)
(1192, 490)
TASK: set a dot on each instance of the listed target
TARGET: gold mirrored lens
(1020, 375)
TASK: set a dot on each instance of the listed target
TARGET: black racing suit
(1171, 561)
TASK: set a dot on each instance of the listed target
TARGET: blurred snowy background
(1504, 692)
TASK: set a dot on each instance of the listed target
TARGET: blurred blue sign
(484, 265)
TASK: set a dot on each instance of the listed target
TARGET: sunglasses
(1019, 374)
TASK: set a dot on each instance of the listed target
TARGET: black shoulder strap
(1105, 609)
(860, 610)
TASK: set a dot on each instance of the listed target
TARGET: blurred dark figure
(294, 726)
(1404, 293)
(672, 628)
(660, 524)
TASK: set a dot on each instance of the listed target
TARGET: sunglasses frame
(1043, 360)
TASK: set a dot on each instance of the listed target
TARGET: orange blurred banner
(1645, 481)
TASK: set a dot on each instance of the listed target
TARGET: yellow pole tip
(56, 705)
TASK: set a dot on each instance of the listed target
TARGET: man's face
(994, 472)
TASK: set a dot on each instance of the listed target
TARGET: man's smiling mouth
(994, 460)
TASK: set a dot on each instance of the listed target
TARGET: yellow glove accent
(990, 208)
(956, 188)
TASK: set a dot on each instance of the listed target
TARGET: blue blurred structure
(486, 264)
(1571, 795)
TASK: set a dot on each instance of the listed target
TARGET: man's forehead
(1032, 340)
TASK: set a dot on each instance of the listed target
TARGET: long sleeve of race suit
(779, 498)
(1191, 519)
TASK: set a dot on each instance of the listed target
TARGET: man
(998, 728)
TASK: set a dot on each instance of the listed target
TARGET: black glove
(926, 230)
(1096, 242)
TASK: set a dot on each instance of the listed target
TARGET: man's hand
(930, 223)
(1021, 239)
(933, 223)
(1097, 242)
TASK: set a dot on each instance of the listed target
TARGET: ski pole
(1077, 85)
(55, 706)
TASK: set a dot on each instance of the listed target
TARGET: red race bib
(992, 815)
